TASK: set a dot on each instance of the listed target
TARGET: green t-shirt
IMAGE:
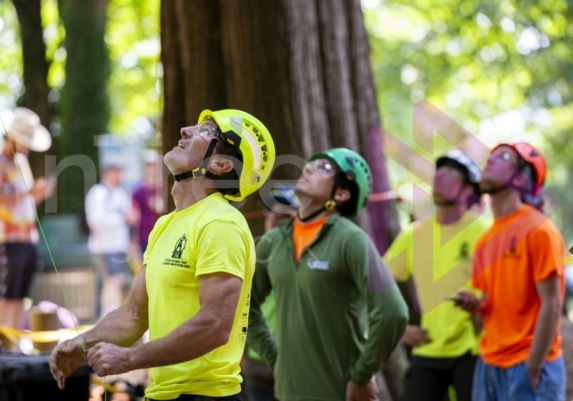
(339, 311)
(208, 237)
(439, 259)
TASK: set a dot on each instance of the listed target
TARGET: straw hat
(24, 127)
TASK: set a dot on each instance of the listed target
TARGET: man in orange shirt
(518, 266)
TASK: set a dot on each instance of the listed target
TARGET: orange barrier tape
(384, 196)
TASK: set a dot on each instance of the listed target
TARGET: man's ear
(342, 195)
(220, 164)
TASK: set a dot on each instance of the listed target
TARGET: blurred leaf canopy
(502, 69)
(132, 37)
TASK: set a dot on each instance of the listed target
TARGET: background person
(437, 253)
(193, 292)
(110, 217)
(20, 193)
(147, 197)
(339, 312)
(148, 203)
(518, 267)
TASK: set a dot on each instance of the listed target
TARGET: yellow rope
(47, 336)
(106, 386)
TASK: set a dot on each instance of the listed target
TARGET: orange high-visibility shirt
(514, 254)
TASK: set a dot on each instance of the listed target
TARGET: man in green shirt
(339, 311)
(259, 383)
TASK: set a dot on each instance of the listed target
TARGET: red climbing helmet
(534, 158)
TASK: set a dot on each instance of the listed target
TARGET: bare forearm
(544, 333)
(201, 333)
(196, 337)
(126, 324)
(119, 327)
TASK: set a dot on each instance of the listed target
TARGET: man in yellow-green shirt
(193, 292)
(437, 253)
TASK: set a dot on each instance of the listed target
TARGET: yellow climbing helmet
(250, 136)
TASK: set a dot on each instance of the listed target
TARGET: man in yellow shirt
(437, 253)
(193, 292)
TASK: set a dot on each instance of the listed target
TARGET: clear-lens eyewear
(506, 156)
(207, 130)
(323, 166)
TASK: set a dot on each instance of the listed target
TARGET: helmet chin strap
(201, 169)
(310, 216)
(507, 184)
(493, 191)
(445, 203)
(328, 206)
(453, 202)
(182, 176)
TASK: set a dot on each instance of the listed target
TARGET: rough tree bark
(84, 105)
(301, 66)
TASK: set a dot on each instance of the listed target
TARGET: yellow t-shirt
(208, 237)
(439, 259)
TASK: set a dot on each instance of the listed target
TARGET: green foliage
(11, 70)
(133, 42)
(502, 69)
(97, 86)
(54, 34)
(132, 38)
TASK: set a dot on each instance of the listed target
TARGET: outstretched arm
(210, 328)
(122, 327)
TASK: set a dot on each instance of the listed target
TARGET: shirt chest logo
(176, 258)
(179, 247)
(317, 264)
(512, 251)
(464, 253)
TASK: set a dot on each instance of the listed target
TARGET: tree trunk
(301, 66)
(35, 65)
(84, 103)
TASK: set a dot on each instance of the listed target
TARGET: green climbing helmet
(355, 170)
